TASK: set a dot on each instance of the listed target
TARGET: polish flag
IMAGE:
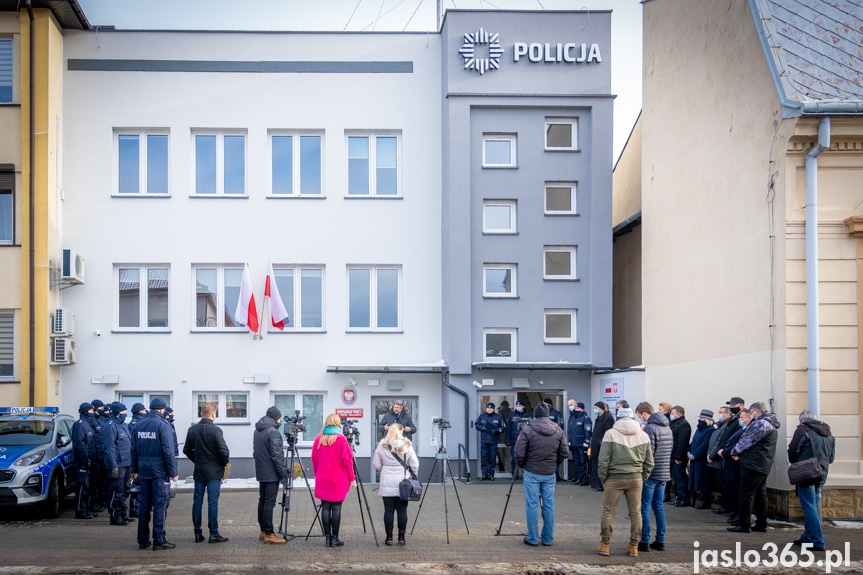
(277, 308)
(246, 312)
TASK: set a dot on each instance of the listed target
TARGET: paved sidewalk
(68, 545)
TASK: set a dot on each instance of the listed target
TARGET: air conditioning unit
(65, 351)
(64, 323)
(73, 267)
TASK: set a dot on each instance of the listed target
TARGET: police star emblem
(482, 38)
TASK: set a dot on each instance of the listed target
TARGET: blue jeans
(154, 496)
(213, 488)
(536, 486)
(652, 494)
(809, 497)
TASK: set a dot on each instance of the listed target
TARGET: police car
(35, 457)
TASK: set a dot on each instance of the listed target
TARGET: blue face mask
(121, 418)
(671, 417)
(170, 418)
(595, 411)
(740, 421)
(519, 408)
(571, 408)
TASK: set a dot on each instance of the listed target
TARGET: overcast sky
(380, 15)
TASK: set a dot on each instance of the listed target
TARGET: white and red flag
(278, 312)
(246, 312)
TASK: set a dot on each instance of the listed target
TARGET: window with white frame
(310, 404)
(231, 406)
(499, 150)
(373, 165)
(499, 280)
(302, 291)
(7, 345)
(560, 326)
(142, 302)
(297, 164)
(142, 162)
(558, 263)
(219, 163)
(374, 298)
(499, 344)
(130, 398)
(499, 216)
(217, 291)
(561, 134)
(7, 70)
(560, 198)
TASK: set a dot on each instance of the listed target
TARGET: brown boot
(271, 539)
(263, 534)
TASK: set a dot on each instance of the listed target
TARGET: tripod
(286, 494)
(441, 455)
(360, 500)
(508, 494)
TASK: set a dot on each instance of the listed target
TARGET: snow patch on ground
(848, 524)
(188, 484)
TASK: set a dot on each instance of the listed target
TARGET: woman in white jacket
(392, 473)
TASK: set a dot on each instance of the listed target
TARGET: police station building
(436, 208)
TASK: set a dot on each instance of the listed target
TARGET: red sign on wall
(352, 413)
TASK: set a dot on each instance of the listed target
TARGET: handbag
(806, 472)
(410, 488)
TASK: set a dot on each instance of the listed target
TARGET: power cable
(412, 15)
(379, 14)
(352, 15)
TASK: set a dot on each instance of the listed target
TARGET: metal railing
(462, 448)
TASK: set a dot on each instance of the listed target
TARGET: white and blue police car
(36, 467)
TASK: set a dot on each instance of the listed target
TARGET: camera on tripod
(294, 425)
(349, 430)
(520, 422)
(441, 422)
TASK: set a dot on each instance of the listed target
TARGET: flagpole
(261, 323)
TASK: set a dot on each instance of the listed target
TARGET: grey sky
(380, 15)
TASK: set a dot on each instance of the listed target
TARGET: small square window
(219, 164)
(499, 345)
(499, 151)
(216, 292)
(142, 163)
(142, 298)
(561, 134)
(560, 198)
(374, 298)
(499, 216)
(560, 326)
(499, 280)
(559, 263)
(373, 165)
(296, 164)
(231, 407)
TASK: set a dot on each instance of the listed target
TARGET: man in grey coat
(270, 468)
(653, 490)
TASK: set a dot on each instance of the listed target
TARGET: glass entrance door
(503, 405)
(381, 405)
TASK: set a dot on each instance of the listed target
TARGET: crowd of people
(642, 455)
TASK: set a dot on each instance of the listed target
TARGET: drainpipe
(812, 321)
(32, 185)
(445, 379)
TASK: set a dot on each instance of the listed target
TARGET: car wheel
(51, 506)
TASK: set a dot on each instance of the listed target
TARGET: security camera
(477, 384)
(98, 333)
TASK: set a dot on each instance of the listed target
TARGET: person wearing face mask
(516, 421)
(390, 450)
(665, 409)
(578, 436)
(118, 459)
(84, 458)
(603, 422)
(139, 412)
(491, 426)
(169, 417)
(699, 477)
(682, 432)
(653, 490)
(731, 467)
(99, 474)
(714, 463)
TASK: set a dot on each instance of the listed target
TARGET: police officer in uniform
(85, 459)
(521, 415)
(154, 464)
(578, 434)
(491, 425)
(118, 458)
(139, 412)
(98, 475)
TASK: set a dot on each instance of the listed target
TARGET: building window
(498, 216)
(7, 217)
(309, 404)
(7, 71)
(559, 263)
(220, 163)
(499, 280)
(499, 151)
(374, 298)
(142, 298)
(130, 398)
(217, 291)
(561, 134)
(301, 290)
(297, 164)
(499, 344)
(142, 163)
(560, 326)
(560, 198)
(380, 151)
(231, 407)
(7, 345)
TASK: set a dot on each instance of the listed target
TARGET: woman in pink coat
(333, 464)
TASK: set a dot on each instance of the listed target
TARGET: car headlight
(31, 459)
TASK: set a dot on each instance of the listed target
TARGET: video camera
(294, 425)
(441, 422)
(520, 422)
(351, 433)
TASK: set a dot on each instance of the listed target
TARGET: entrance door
(503, 404)
(380, 406)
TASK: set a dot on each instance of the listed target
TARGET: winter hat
(85, 407)
(548, 402)
(138, 407)
(706, 414)
(274, 413)
(600, 405)
(624, 412)
(579, 405)
(541, 410)
(489, 404)
(520, 402)
(117, 407)
(158, 403)
(735, 400)
(97, 403)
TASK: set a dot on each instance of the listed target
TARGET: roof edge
(790, 108)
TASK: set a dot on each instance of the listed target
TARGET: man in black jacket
(682, 432)
(205, 447)
(812, 438)
(270, 468)
(399, 415)
(755, 451)
(604, 421)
